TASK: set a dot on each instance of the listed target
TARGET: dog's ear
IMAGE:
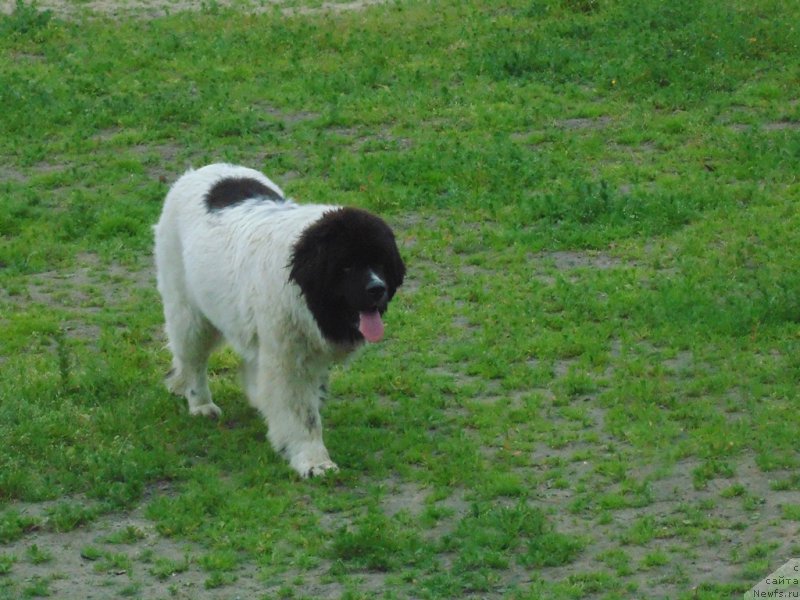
(316, 257)
(396, 268)
(308, 266)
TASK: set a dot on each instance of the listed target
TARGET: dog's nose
(376, 290)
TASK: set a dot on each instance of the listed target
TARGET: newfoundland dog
(292, 288)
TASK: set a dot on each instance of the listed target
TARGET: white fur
(224, 275)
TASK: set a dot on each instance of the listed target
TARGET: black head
(348, 268)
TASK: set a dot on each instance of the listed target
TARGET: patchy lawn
(588, 385)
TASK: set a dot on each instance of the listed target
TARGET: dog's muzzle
(377, 292)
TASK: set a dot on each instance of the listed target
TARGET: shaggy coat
(292, 288)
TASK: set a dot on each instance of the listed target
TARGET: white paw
(313, 463)
(209, 410)
(320, 469)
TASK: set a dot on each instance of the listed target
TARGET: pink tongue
(371, 326)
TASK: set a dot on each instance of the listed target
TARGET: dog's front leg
(290, 404)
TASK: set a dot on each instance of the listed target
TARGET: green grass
(591, 372)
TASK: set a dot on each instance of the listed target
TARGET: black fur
(234, 190)
(331, 263)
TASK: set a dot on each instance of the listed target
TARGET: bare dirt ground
(119, 555)
(155, 8)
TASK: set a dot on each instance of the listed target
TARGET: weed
(218, 579)
(791, 512)
(91, 553)
(6, 563)
(67, 516)
(129, 535)
(164, 568)
(37, 555)
(14, 525)
(37, 587)
(113, 562)
(655, 559)
(26, 18)
(376, 543)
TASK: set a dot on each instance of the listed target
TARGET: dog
(292, 288)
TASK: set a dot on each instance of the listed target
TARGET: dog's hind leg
(191, 336)
(191, 339)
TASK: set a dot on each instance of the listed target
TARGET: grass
(589, 376)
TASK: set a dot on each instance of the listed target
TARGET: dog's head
(348, 268)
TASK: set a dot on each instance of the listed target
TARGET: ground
(144, 9)
(587, 388)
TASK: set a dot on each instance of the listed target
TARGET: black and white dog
(292, 288)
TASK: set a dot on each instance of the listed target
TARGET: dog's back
(223, 243)
(213, 188)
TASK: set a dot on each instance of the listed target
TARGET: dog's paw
(210, 410)
(321, 469)
(313, 463)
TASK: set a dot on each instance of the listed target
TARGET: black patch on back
(235, 190)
